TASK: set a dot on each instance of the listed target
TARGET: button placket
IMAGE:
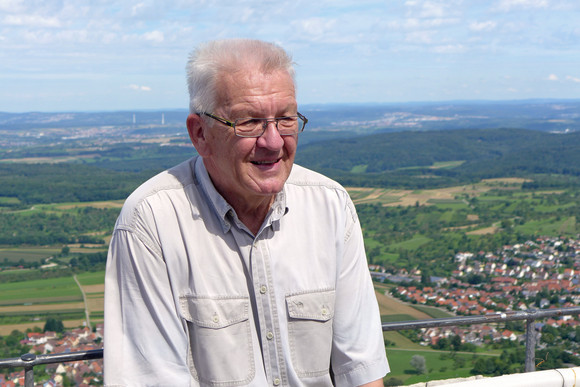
(266, 311)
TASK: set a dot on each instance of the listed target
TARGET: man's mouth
(265, 162)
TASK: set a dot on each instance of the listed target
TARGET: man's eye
(287, 121)
(248, 122)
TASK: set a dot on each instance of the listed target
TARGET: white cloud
(137, 8)
(449, 49)
(508, 5)
(33, 21)
(552, 77)
(418, 24)
(317, 25)
(139, 88)
(154, 36)
(420, 37)
(434, 9)
(11, 5)
(483, 26)
(318, 28)
(573, 79)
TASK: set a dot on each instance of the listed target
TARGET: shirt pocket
(310, 317)
(220, 340)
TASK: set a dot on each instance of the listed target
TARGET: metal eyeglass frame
(264, 123)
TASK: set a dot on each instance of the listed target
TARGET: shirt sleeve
(358, 352)
(145, 341)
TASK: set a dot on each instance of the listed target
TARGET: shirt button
(216, 319)
(269, 335)
(276, 382)
(324, 311)
(263, 289)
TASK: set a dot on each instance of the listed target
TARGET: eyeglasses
(255, 127)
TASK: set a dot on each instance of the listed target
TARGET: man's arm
(145, 342)
(358, 354)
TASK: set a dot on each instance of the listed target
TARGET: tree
(455, 343)
(54, 325)
(418, 362)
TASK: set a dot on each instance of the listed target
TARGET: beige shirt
(193, 298)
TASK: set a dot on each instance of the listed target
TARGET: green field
(396, 317)
(28, 254)
(551, 226)
(439, 365)
(432, 311)
(92, 278)
(51, 290)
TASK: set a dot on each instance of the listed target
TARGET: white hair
(209, 60)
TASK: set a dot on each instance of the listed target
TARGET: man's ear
(196, 131)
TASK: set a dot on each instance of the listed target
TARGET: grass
(550, 226)
(40, 291)
(28, 254)
(432, 311)
(38, 318)
(396, 317)
(7, 200)
(438, 366)
(388, 258)
(359, 168)
(401, 342)
(92, 278)
(446, 164)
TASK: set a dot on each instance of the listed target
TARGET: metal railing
(530, 315)
(28, 361)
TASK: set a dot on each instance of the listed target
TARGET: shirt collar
(222, 208)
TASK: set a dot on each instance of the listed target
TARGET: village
(544, 273)
(85, 373)
(537, 274)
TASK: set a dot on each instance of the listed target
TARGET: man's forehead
(246, 85)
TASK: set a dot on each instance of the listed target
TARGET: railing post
(531, 343)
(28, 369)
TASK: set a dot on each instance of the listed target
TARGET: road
(87, 314)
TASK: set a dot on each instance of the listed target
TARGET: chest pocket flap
(214, 312)
(313, 306)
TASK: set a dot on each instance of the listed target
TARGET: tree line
(404, 159)
(42, 228)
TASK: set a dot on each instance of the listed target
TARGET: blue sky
(91, 55)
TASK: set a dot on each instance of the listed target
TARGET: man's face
(251, 170)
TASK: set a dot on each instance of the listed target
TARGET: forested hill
(438, 158)
(412, 160)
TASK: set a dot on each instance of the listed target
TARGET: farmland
(55, 226)
(399, 225)
(28, 303)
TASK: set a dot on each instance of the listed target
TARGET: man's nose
(271, 138)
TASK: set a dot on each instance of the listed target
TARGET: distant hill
(543, 115)
(438, 158)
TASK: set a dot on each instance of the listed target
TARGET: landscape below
(456, 221)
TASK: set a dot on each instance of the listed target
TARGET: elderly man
(236, 267)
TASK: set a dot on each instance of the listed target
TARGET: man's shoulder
(301, 176)
(174, 178)
(171, 181)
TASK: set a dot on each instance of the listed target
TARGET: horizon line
(425, 102)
